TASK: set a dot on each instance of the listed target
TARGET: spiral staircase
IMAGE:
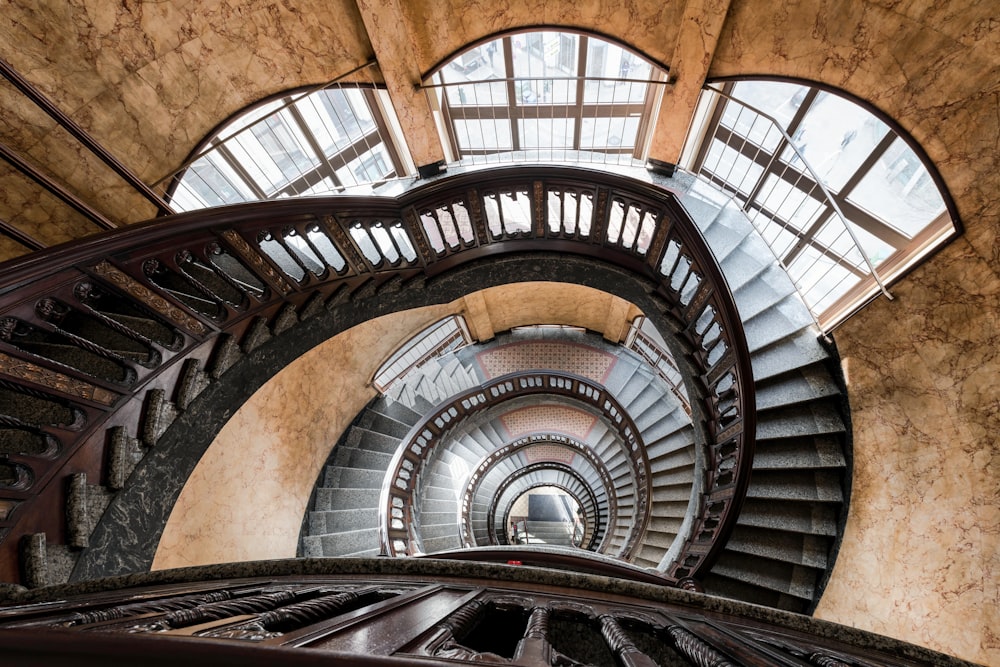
(786, 535)
(108, 331)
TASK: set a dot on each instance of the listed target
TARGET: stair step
(798, 517)
(819, 451)
(330, 499)
(353, 478)
(723, 586)
(439, 530)
(796, 485)
(350, 542)
(335, 521)
(369, 460)
(795, 580)
(799, 386)
(362, 438)
(772, 285)
(794, 548)
(777, 322)
(799, 421)
(792, 352)
(380, 423)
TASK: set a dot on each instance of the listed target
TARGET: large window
(547, 96)
(305, 143)
(835, 191)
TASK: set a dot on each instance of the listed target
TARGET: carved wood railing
(402, 480)
(421, 612)
(104, 341)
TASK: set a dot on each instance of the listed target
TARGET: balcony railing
(113, 335)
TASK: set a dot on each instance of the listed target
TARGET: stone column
(386, 23)
(696, 43)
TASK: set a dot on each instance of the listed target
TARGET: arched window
(547, 95)
(311, 142)
(838, 191)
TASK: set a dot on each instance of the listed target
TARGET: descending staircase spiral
(782, 545)
(102, 354)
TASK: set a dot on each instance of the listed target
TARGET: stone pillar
(696, 43)
(386, 24)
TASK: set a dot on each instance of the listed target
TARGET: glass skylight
(832, 187)
(312, 143)
(547, 96)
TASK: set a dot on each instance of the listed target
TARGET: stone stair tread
(348, 542)
(780, 321)
(723, 586)
(795, 548)
(331, 499)
(772, 285)
(362, 438)
(799, 517)
(794, 388)
(798, 421)
(354, 478)
(790, 486)
(795, 580)
(809, 452)
(791, 352)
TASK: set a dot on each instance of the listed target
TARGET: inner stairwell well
(785, 540)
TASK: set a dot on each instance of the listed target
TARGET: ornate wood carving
(539, 207)
(253, 258)
(25, 370)
(355, 260)
(148, 297)
(696, 650)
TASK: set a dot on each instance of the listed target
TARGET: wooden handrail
(295, 250)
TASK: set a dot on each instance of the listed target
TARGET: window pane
(546, 132)
(609, 61)
(540, 55)
(609, 132)
(337, 118)
(790, 204)
(836, 136)
(736, 169)
(899, 190)
(483, 134)
(777, 99)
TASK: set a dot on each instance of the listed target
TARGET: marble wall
(920, 558)
(246, 498)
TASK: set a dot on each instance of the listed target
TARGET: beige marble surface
(246, 498)
(555, 303)
(919, 559)
(441, 28)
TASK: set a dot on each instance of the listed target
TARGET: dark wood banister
(690, 284)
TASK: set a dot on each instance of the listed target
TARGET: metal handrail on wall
(206, 283)
(764, 219)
